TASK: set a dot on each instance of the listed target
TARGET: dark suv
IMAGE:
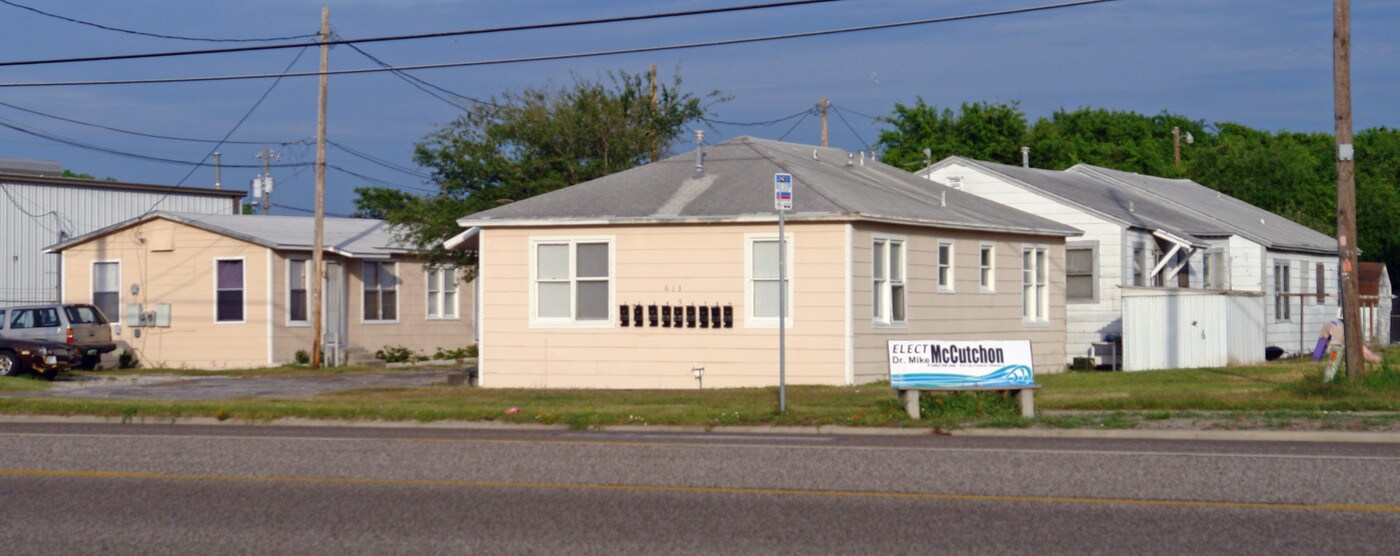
(45, 359)
(81, 326)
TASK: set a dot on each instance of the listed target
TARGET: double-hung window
(1079, 274)
(228, 290)
(572, 281)
(986, 268)
(297, 303)
(1139, 273)
(1035, 284)
(1213, 270)
(763, 287)
(888, 283)
(1321, 280)
(381, 290)
(442, 292)
(1283, 310)
(106, 289)
(945, 266)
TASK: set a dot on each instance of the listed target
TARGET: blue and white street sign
(782, 191)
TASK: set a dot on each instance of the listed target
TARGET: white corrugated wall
(34, 215)
(1182, 329)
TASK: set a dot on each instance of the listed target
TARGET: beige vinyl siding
(173, 263)
(966, 314)
(413, 329)
(676, 264)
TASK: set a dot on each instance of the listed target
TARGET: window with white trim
(888, 284)
(381, 286)
(761, 285)
(106, 289)
(1213, 270)
(1139, 273)
(1283, 310)
(945, 266)
(1158, 279)
(986, 268)
(228, 290)
(1035, 284)
(442, 292)
(573, 280)
(297, 302)
(1080, 278)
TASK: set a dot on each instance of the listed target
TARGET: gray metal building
(39, 207)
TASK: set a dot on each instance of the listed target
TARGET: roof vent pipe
(943, 199)
(928, 157)
(851, 159)
(1025, 157)
(699, 152)
(1132, 207)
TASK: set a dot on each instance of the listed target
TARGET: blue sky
(1262, 63)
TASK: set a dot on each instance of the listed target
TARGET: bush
(458, 354)
(303, 357)
(396, 354)
(128, 360)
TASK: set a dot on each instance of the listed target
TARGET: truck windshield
(84, 314)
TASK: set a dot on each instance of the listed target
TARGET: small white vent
(955, 182)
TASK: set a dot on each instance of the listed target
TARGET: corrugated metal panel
(1182, 329)
(35, 215)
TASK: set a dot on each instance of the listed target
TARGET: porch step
(359, 357)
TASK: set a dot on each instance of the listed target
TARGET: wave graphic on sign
(1010, 375)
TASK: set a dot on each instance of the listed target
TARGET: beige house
(581, 287)
(225, 291)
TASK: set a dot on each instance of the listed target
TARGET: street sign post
(782, 201)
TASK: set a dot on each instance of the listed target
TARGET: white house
(1201, 268)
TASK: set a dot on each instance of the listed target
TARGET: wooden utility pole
(656, 140)
(266, 179)
(823, 104)
(318, 271)
(1346, 187)
(1176, 146)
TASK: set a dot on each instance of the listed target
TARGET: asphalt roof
(1247, 220)
(737, 185)
(1125, 205)
(352, 237)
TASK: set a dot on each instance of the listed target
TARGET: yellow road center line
(1365, 508)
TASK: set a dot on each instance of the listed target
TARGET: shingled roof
(351, 237)
(736, 184)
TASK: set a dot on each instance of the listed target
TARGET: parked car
(45, 359)
(81, 326)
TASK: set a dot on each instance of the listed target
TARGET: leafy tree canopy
(534, 141)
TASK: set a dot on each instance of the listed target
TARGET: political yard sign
(954, 364)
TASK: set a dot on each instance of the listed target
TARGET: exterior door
(334, 305)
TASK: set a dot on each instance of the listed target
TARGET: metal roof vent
(699, 152)
(851, 159)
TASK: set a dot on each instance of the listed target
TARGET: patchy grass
(27, 383)
(1283, 396)
(284, 370)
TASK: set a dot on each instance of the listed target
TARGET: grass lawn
(1276, 395)
(22, 384)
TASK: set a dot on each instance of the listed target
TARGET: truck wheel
(9, 364)
(89, 362)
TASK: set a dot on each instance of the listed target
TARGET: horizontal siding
(680, 264)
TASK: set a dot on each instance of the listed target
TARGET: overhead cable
(763, 123)
(853, 130)
(594, 54)
(143, 33)
(143, 134)
(529, 27)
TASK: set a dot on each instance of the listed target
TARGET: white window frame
(950, 264)
(1093, 248)
(398, 292)
(885, 317)
(571, 322)
(987, 274)
(1041, 289)
(1137, 265)
(430, 303)
(92, 288)
(750, 321)
(243, 265)
(1211, 274)
(306, 284)
(1284, 303)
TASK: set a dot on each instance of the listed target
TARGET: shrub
(395, 354)
(458, 354)
(128, 360)
(303, 357)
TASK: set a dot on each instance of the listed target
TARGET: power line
(143, 33)
(143, 134)
(763, 123)
(684, 46)
(853, 130)
(379, 161)
(126, 154)
(309, 211)
(529, 27)
(794, 126)
(230, 133)
(420, 84)
(379, 182)
(867, 116)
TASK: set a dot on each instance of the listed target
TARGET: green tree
(981, 130)
(534, 141)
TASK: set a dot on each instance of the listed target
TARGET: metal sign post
(782, 200)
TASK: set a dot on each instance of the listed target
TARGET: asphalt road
(73, 489)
